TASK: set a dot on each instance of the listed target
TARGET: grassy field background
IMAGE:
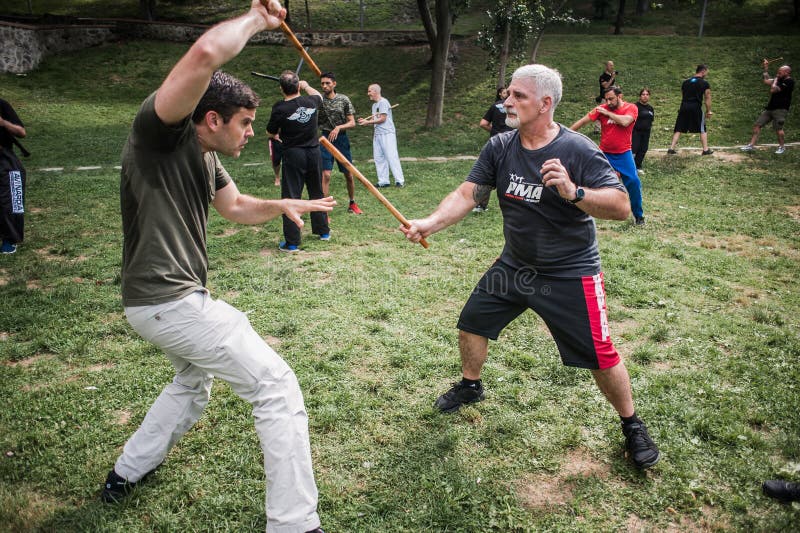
(703, 305)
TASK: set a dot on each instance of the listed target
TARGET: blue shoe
(325, 237)
(292, 248)
(8, 247)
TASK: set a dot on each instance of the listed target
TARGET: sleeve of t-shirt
(221, 176)
(593, 114)
(272, 125)
(152, 132)
(632, 110)
(484, 171)
(383, 107)
(8, 113)
(349, 108)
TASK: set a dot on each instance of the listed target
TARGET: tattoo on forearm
(481, 193)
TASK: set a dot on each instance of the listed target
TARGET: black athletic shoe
(458, 395)
(785, 491)
(639, 446)
(708, 152)
(318, 530)
(116, 488)
(670, 151)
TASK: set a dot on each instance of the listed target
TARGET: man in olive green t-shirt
(170, 175)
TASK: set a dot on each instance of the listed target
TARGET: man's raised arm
(185, 84)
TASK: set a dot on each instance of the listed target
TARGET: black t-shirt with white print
(542, 230)
(296, 121)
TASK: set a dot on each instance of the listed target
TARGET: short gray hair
(546, 80)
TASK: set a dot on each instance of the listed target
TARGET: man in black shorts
(551, 182)
(777, 109)
(696, 91)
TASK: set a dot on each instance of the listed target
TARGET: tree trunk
(427, 23)
(308, 17)
(642, 7)
(536, 41)
(620, 18)
(148, 9)
(444, 27)
(503, 60)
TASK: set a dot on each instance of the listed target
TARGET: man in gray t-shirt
(550, 183)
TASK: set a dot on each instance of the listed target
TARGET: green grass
(703, 305)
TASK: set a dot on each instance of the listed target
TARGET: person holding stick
(12, 187)
(551, 182)
(384, 141)
(696, 91)
(777, 109)
(170, 175)
(336, 116)
(295, 119)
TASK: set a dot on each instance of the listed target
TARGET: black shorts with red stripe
(574, 310)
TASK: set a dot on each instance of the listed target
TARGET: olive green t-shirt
(167, 184)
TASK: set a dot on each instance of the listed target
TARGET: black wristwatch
(579, 194)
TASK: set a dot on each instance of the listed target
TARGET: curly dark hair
(225, 95)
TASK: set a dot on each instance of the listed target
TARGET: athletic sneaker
(353, 208)
(638, 221)
(325, 237)
(8, 247)
(708, 152)
(478, 209)
(639, 446)
(115, 488)
(780, 150)
(747, 148)
(318, 530)
(399, 184)
(670, 151)
(458, 395)
(292, 248)
(785, 491)
(382, 185)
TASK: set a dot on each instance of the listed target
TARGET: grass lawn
(703, 305)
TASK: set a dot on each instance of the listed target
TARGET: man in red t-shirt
(617, 118)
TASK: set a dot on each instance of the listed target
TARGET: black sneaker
(708, 152)
(116, 488)
(458, 395)
(670, 151)
(318, 530)
(639, 446)
(785, 491)
(639, 221)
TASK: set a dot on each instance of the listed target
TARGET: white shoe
(780, 150)
(747, 148)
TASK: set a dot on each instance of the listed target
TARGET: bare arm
(310, 91)
(334, 134)
(246, 209)
(185, 84)
(581, 123)
(485, 125)
(608, 203)
(453, 208)
(14, 129)
(707, 96)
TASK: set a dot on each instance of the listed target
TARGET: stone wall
(23, 46)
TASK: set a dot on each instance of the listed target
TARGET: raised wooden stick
(290, 35)
(772, 60)
(374, 190)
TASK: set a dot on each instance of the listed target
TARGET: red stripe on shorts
(594, 292)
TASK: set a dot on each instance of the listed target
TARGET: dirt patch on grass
(122, 417)
(99, 367)
(742, 245)
(3, 277)
(794, 212)
(543, 491)
(274, 342)
(733, 157)
(30, 361)
(33, 510)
